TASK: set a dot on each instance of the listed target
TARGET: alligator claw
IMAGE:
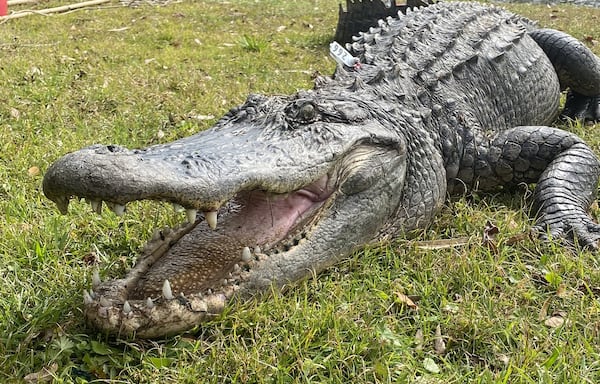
(579, 232)
(580, 107)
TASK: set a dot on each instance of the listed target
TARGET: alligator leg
(565, 169)
(578, 69)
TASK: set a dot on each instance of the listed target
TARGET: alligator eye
(307, 112)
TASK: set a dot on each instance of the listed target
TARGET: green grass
(140, 76)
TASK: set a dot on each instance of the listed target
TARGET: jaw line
(110, 306)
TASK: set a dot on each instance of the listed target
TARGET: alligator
(447, 98)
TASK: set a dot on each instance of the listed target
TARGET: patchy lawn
(521, 311)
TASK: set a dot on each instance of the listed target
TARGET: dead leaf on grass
(401, 298)
(557, 319)
(554, 321)
(42, 376)
(15, 114)
(544, 310)
(33, 171)
(431, 365)
(439, 345)
(489, 236)
(419, 339)
(518, 238)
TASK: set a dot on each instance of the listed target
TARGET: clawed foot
(582, 232)
(580, 107)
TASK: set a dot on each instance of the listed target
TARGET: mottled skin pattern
(455, 96)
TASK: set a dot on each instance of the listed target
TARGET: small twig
(19, 2)
(48, 11)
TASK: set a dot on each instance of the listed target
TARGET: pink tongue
(268, 218)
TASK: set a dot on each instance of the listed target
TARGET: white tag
(342, 56)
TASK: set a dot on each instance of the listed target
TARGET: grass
(140, 76)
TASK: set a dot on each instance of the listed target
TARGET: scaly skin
(454, 96)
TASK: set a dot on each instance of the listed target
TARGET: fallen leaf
(489, 236)
(439, 345)
(544, 310)
(43, 375)
(403, 299)
(15, 114)
(504, 359)
(518, 238)
(33, 171)
(430, 365)
(419, 339)
(554, 321)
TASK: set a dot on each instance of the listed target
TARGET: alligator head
(280, 188)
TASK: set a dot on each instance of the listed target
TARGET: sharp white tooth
(118, 209)
(246, 255)
(104, 302)
(257, 250)
(209, 291)
(178, 208)
(166, 290)
(96, 205)
(62, 202)
(149, 303)
(87, 299)
(191, 215)
(96, 278)
(236, 268)
(126, 307)
(92, 294)
(211, 219)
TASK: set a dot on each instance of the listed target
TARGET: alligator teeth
(246, 255)
(191, 216)
(166, 290)
(96, 278)
(211, 219)
(96, 205)
(62, 203)
(257, 250)
(87, 299)
(149, 303)
(92, 294)
(126, 307)
(118, 209)
(178, 208)
(236, 268)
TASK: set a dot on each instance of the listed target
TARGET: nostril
(112, 148)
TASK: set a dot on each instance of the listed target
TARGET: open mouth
(185, 275)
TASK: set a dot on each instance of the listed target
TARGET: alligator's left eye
(302, 112)
(307, 112)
